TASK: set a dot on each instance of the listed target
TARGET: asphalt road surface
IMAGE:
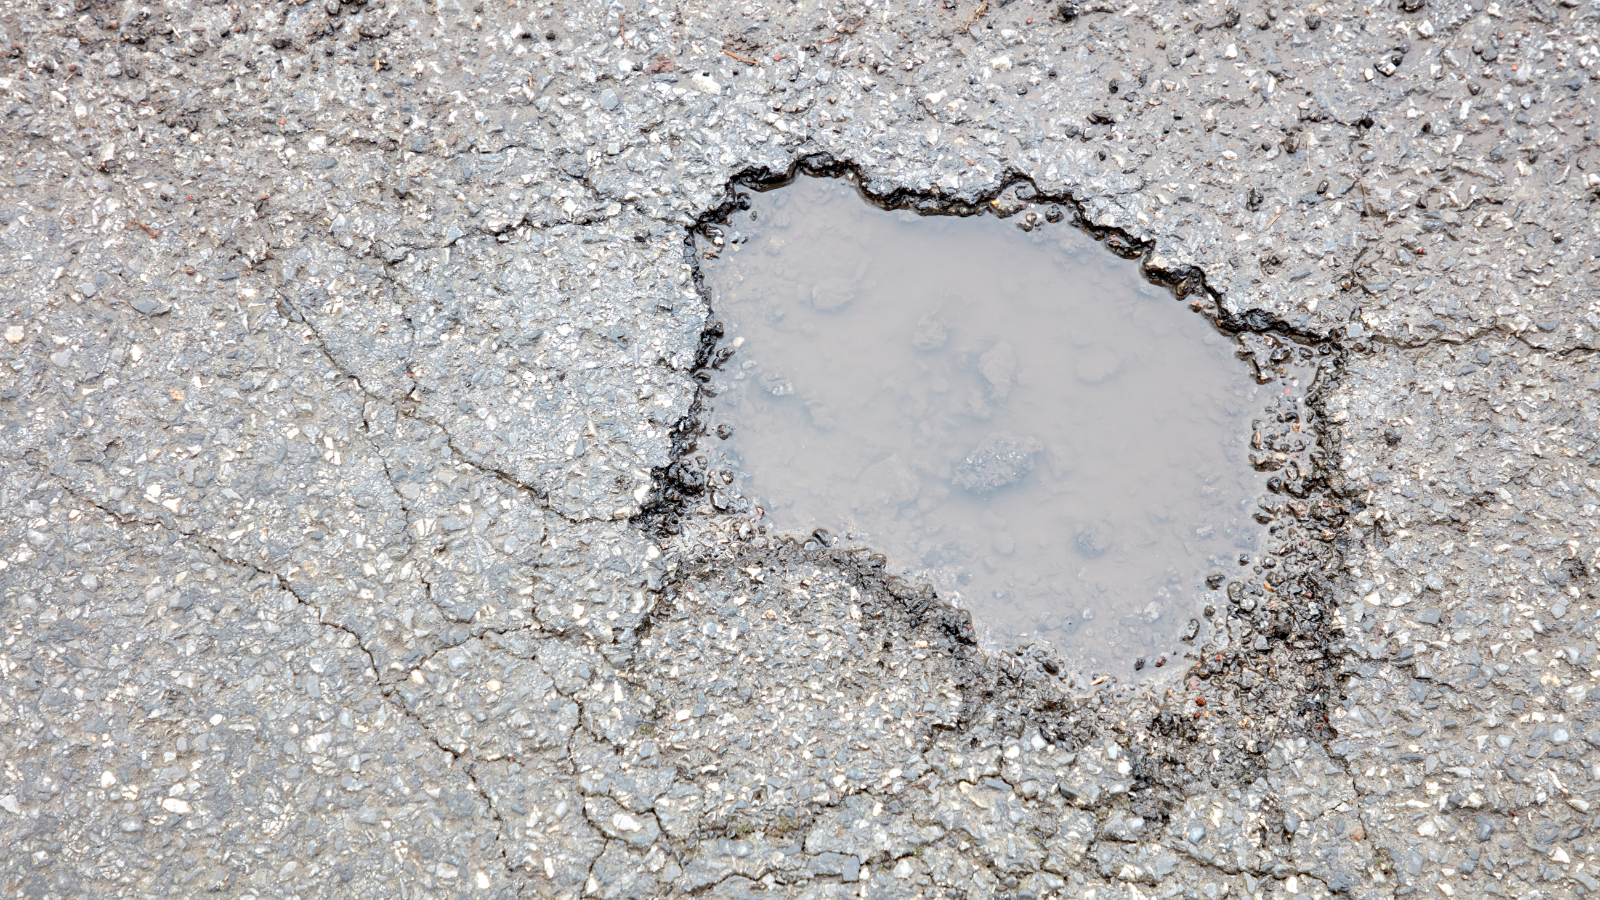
(352, 541)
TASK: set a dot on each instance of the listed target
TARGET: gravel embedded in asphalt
(348, 347)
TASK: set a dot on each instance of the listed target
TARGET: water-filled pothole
(1014, 414)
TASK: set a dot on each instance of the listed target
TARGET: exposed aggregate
(347, 348)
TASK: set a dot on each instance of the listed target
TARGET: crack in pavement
(385, 689)
(540, 496)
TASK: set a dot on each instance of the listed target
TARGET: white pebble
(702, 82)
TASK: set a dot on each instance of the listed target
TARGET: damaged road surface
(1000, 406)
(355, 355)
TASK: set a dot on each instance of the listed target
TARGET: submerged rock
(1000, 459)
(833, 293)
(931, 333)
(1098, 367)
(999, 368)
(1094, 538)
(888, 482)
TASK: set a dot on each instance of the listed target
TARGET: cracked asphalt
(354, 544)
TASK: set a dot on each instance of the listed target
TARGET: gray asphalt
(352, 541)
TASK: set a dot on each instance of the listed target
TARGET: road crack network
(386, 689)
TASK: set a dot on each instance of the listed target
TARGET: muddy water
(1018, 417)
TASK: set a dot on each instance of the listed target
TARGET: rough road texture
(344, 345)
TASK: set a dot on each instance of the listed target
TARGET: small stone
(176, 805)
(14, 334)
(608, 99)
(848, 868)
(1123, 827)
(701, 81)
(150, 306)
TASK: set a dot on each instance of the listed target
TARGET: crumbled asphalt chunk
(1000, 459)
(361, 269)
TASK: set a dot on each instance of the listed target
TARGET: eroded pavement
(348, 348)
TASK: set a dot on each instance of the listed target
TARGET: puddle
(1018, 417)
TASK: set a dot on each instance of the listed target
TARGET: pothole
(1008, 412)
